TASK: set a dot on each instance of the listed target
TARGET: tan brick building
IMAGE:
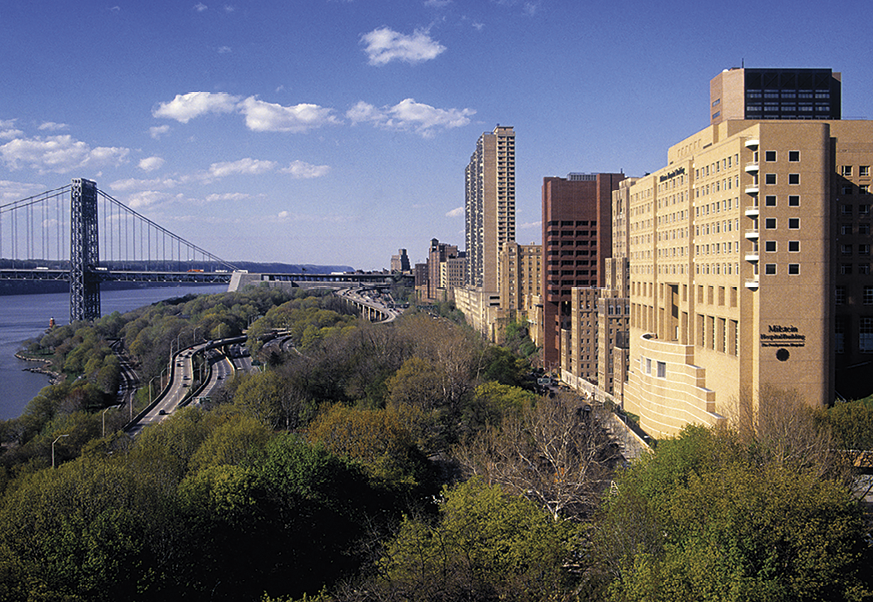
(749, 265)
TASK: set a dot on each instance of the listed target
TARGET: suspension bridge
(81, 235)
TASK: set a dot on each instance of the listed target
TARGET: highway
(372, 303)
(183, 379)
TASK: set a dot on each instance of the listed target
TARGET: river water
(25, 317)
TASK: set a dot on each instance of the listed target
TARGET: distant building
(490, 224)
(577, 239)
(421, 281)
(490, 205)
(400, 262)
(438, 259)
(521, 266)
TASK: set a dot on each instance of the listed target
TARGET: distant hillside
(24, 287)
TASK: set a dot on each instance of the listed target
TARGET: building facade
(738, 250)
(775, 94)
(489, 205)
(400, 262)
(577, 239)
(521, 266)
(439, 254)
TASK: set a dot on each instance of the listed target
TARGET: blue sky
(336, 132)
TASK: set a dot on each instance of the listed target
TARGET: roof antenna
(742, 63)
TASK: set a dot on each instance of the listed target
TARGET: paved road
(180, 386)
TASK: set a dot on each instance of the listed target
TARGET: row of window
(770, 223)
(863, 171)
(793, 179)
(770, 269)
(865, 334)
(771, 200)
(771, 156)
(840, 295)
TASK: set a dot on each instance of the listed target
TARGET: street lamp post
(196, 328)
(53, 448)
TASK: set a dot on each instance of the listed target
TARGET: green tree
(485, 545)
(702, 519)
(379, 440)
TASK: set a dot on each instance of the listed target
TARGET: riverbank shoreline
(54, 377)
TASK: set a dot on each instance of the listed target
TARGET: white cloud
(437, 3)
(59, 154)
(410, 115)
(8, 130)
(270, 117)
(147, 198)
(158, 131)
(200, 7)
(224, 50)
(133, 183)
(247, 166)
(151, 163)
(52, 126)
(384, 45)
(194, 104)
(228, 196)
(303, 170)
(14, 191)
(456, 212)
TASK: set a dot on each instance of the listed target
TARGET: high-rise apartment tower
(490, 205)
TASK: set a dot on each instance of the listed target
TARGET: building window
(770, 223)
(770, 269)
(794, 246)
(846, 269)
(845, 209)
(794, 178)
(770, 200)
(793, 223)
(770, 178)
(662, 370)
(846, 170)
(863, 249)
(865, 337)
(840, 332)
(864, 210)
(864, 268)
(793, 269)
(846, 229)
(769, 156)
(863, 228)
(794, 156)
(845, 249)
(868, 295)
(770, 246)
(846, 190)
(840, 295)
(864, 189)
(864, 171)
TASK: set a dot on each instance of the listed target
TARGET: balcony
(752, 143)
(752, 211)
(752, 234)
(752, 189)
(752, 283)
(752, 256)
(752, 167)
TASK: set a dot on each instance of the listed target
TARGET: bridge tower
(84, 251)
